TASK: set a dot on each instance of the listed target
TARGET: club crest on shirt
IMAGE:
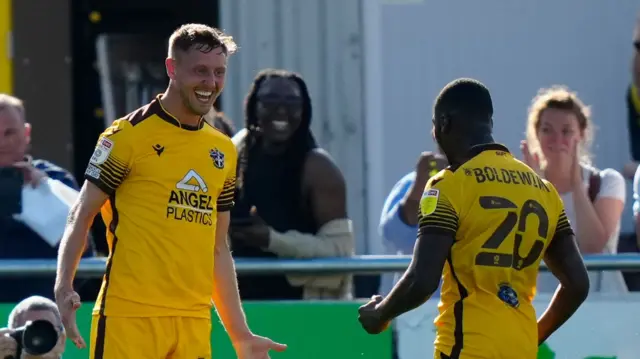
(217, 157)
(429, 201)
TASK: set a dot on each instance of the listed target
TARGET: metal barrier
(94, 267)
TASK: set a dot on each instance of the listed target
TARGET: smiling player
(165, 181)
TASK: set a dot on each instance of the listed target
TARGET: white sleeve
(612, 185)
(636, 192)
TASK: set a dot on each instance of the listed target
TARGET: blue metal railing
(94, 267)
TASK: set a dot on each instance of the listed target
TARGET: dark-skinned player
(485, 224)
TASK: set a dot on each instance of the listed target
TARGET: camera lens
(37, 337)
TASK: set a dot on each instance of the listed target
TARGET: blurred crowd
(291, 197)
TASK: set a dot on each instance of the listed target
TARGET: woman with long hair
(559, 132)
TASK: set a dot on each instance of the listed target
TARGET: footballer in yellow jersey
(164, 181)
(485, 223)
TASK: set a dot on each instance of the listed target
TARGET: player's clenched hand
(68, 302)
(8, 345)
(369, 316)
(257, 347)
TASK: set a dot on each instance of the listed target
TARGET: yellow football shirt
(166, 183)
(503, 217)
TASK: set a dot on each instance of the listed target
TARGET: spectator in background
(291, 201)
(636, 204)
(559, 132)
(17, 240)
(220, 121)
(15, 140)
(632, 241)
(399, 219)
(633, 105)
(32, 309)
(399, 230)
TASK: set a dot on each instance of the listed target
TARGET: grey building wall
(322, 40)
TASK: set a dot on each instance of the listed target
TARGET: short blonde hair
(8, 101)
(204, 38)
(561, 98)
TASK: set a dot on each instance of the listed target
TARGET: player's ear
(445, 123)
(170, 65)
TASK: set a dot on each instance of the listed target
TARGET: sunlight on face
(200, 77)
(558, 132)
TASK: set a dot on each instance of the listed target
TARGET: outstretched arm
(74, 239)
(225, 290)
(227, 300)
(438, 225)
(565, 262)
(421, 279)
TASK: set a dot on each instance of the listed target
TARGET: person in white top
(636, 204)
(559, 132)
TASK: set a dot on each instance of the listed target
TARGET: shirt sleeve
(612, 185)
(563, 228)
(437, 212)
(226, 198)
(636, 192)
(112, 158)
(392, 227)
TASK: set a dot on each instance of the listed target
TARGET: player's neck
(462, 156)
(173, 104)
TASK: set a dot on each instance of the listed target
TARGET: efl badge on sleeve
(217, 157)
(102, 151)
(429, 201)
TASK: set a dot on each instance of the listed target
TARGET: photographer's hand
(8, 345)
